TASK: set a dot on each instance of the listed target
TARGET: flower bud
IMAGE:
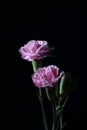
(67, 84)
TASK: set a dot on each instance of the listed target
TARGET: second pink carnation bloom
(47, 76)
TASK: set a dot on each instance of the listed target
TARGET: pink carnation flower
(46, 76)
(34, 50)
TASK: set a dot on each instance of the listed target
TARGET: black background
(63, 25)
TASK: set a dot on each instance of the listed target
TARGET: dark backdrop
(63, 25)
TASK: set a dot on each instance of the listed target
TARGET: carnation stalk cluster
(56, 83)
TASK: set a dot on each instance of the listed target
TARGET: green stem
(43, 112)
(60, 121)
(54, 117)
(57, 124)
(60, 116)
(36, 64)
(40, 92)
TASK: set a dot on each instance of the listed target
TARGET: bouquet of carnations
(57, 83)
